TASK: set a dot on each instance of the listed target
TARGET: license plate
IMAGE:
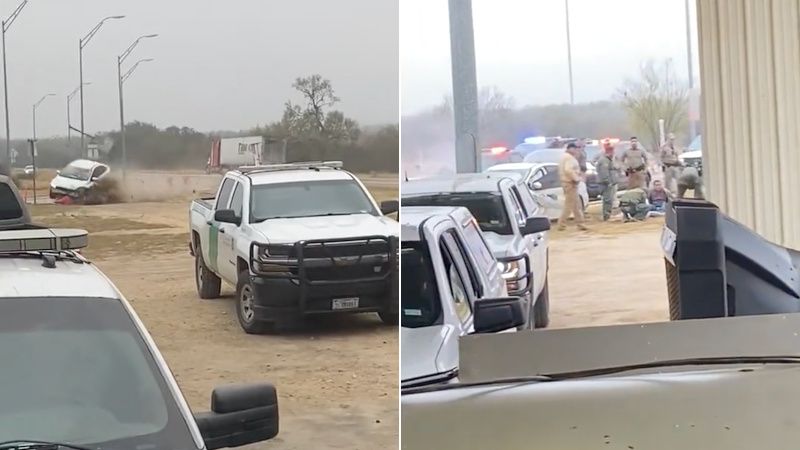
(668, 242)
(345, 303)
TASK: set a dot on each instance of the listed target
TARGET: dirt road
(336, 377)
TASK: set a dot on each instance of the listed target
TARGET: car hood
(420, 350)
(502, 245)
(280, 231)
(69, 184)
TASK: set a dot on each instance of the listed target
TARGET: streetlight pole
(569, 56)
(81, 44)
(33, 143)
(6, 24)
(69, 122)
(36, 105)
(120, 80)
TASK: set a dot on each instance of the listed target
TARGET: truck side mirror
(389, 206)
(536, 224)
(535, 185)
(498, 314)
(227, 216)
(240, 415)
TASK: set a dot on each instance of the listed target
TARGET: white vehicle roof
(411, 217)
(470, 182)
(691, 154)
(298, 175)
(23, 276)
(85, 164)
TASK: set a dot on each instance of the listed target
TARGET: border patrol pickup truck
(451, 287)
(512, 222)
(80, 371)
(296, 239)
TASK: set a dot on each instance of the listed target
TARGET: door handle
(222, 230)
(208, 222)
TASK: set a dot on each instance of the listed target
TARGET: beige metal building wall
(750, 79)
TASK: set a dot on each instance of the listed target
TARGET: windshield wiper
(562, 376)
(32, 444)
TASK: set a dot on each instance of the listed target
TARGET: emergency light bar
(43, 240)
(535, 140)
(292, 166)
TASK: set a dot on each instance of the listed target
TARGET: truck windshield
(76, 173)
(487, 207)
(420, 296)
(308, 199)
(77, 370)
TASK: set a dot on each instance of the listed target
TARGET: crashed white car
(77, 178)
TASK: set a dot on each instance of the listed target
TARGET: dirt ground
(336, 377)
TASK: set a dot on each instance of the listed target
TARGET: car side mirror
(389, 206)
(535, 185)
(497, 314)
(58, 172)
(240, 415)
(94, 178)
(227, 216)
(536, 224)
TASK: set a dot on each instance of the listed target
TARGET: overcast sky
(218, 64)
(521, 47)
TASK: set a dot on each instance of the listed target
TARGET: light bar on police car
(43, 240)
(535, 140)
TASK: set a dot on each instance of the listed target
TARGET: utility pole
(6, 24)
(692, 124)
(465, 85)
(569, 57)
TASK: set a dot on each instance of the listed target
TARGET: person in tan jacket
(570, 173)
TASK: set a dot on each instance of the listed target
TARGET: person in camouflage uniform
(690, 179)
(635, 162)
(633, 204)
(607, 177)
(670, 163)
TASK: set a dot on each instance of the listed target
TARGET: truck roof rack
(313, 165)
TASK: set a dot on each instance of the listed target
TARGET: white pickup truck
(449, 279)
(296, 239)
(512, 222)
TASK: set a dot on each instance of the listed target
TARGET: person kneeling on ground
(658, 197)
(690, 179)
(633, 204)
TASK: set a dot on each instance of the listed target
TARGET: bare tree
(319, 95)
(656, 94)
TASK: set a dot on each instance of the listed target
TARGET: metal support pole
(692, 124)
(5, 95)
(569, 57)
(69, 127)
(33, 161)
(122, 119)
(465, 86)
(80, 64)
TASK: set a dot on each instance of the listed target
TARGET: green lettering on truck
(213, 246)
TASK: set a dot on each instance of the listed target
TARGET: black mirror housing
(389, 207)
(498, 314)
(227, 216)
(537, 224)
(240, 415)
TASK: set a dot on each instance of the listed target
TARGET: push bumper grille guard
(293, 261)
(527, 276)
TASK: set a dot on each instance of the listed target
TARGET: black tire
(541, 310)
(244, 306)
(389, 318)
(207, 282)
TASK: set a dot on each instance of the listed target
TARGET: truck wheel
(541, 313)
(245, 300)
(208, 283)
(389, 318)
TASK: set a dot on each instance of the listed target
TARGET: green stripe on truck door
(213, 246)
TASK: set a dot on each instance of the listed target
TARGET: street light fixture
(6, 24)
(81, 44)
(36, 105)
(69, 122)
(121, 79)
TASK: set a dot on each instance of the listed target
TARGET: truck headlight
(509, 269)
